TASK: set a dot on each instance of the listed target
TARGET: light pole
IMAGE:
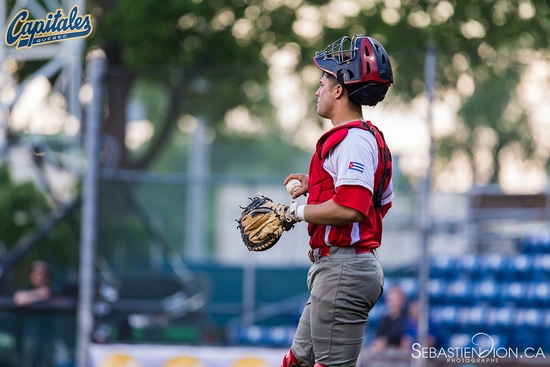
(425, 211)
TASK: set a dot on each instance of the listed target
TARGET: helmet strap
(340, 77)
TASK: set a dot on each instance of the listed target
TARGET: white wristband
(300, 212)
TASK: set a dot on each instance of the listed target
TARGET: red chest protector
(321, 185)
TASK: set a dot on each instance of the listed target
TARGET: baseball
(293, 185)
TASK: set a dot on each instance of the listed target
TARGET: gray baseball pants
(344, 287)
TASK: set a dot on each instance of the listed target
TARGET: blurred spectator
(392, 325)
(411, 327)
(38, 329)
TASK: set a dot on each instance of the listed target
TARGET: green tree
(22, 209)
(202, 41)
(186, 49)
(22, 206)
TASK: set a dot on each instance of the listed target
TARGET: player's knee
(319, 365)
(289, 360)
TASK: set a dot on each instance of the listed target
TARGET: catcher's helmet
(361, 64)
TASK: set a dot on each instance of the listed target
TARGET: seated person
(392, 326)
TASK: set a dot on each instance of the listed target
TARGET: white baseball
(293, 185)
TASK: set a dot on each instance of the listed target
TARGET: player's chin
(321, 113)
(319, 110)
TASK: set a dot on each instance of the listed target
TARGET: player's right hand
(304, 179)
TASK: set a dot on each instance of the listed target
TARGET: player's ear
(338, 90)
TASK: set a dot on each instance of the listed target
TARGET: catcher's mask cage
(361, 65)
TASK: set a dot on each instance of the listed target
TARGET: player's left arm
(350, 204)
(330, 213)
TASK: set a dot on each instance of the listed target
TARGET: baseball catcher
(263, 222)
(349, 190)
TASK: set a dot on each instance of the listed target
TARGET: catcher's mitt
(263, 222)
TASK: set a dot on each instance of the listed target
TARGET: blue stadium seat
(459, 292)
(528, 328)
(410, 287)
(468, 266)
(493, 266)
(500, 320)
(545, 334)
(253, 334)
(435, 313)
(541, 268)
(473, 318)
(546, 320)
(448, 315)
(529, 245)
(446, 319)
(443, 267)
(486, 291)
(280, 336)
(513, 293)
(518, 268)
(459, 340)
(538, 243)
(256, 335)
(437, 290)
(529, 318)
(538, 294)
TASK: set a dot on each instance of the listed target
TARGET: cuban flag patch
(356, 166)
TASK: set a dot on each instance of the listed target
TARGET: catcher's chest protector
(321, 186)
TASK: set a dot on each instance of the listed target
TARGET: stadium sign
(23, 32)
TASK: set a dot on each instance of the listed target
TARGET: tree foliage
(188, 50)
(22, 208)
(202, 41)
